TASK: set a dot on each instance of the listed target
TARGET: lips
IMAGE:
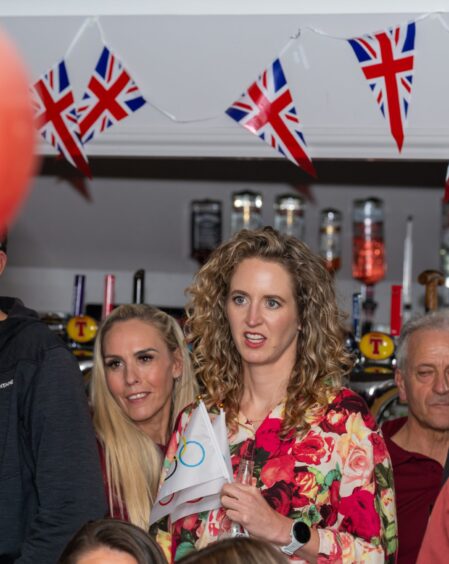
(254, 340)
(137, 396)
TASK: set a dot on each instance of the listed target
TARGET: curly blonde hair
(321, 360)
(133, 460)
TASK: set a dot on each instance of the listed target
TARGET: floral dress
(337, 478)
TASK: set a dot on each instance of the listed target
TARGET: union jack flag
(386, 60)
(56, 116)
(267, 110)
(111, 96)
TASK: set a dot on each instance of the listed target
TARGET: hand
(246, 505)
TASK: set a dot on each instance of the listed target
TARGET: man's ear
(3, 261)
(399, 379)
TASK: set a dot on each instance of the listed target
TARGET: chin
(438, 424)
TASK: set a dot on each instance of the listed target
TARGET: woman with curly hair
(142, 378)
(268, 344)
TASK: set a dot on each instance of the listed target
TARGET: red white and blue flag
(387, 61)
(267, 110)
(111, 96)
(56, 116)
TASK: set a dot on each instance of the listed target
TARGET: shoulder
(35, 334)
(184, 416)
(29, 341)
(391, 427)
(345, 407)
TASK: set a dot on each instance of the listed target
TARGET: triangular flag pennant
(111, 95)
(387, 61)
(200, 468)
(446, 187)
(56, 116)
(267, 110)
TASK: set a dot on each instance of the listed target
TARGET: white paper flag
(201, 466)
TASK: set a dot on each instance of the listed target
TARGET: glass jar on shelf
(330, 238)
(368, 261)
(246, 211)
(289, 215)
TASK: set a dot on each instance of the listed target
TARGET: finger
(233, 516)
(242, 518)
(231, 502)
(230, 490)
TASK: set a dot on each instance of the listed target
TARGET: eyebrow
(149, 349)
(272, 296)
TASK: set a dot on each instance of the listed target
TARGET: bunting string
(266, 108)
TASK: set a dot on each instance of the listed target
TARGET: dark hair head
(236, 551)
(321, 358)
(116, 535)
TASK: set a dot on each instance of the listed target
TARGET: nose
(441, 382)
(131, 376)
(253, 315)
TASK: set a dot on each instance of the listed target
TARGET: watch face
(301, 532)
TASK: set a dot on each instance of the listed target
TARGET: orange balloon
(17, 132)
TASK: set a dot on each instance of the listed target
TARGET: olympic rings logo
(190, 457)
(199, 454)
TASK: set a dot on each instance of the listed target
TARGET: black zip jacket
(50, 477)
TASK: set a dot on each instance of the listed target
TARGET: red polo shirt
(417, 480)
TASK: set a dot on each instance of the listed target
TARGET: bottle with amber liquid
(330, 239)
(289, 212)
(368, 258)
(246, 211)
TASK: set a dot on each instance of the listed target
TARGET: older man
(418, 444)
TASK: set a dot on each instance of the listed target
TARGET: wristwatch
(299, 535)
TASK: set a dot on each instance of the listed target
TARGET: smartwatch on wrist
(299, 535)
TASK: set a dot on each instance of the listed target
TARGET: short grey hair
(433, 321)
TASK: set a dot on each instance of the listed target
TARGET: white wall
(145, 223)
(194, 59)
(194, 65)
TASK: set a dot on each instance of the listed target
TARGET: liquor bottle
(246, 211)
(330, 238)
(289, 211)
(139, 287)
(205, 222)
(368, 261)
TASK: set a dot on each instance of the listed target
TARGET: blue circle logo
(192, 454)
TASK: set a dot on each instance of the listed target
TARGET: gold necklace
(251, 421)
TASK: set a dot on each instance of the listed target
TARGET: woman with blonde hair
(268, 344)
(141, 380)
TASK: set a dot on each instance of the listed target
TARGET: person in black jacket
(50, 477)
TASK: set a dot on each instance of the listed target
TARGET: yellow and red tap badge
(82, 328)
(376, 346)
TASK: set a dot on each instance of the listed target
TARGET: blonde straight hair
(133, 461)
